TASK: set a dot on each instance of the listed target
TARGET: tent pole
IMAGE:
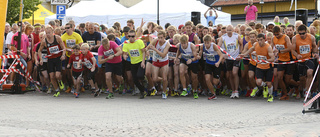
(158, 21)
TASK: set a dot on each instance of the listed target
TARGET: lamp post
(158, 21)
(261, 3)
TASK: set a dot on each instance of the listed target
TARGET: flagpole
(295, 10)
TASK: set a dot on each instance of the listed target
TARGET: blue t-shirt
(117, 40)
(123, 39)
(91, 39)
(211, 18)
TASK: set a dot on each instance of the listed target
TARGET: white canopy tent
(109, 11)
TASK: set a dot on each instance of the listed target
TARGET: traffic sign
(61, 11)
(57, 2)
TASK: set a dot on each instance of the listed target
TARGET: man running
(264, 70)
(54, 46)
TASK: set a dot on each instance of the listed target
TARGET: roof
(239, 2)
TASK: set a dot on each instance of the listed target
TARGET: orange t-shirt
(304, 46)
(281, 44)
(262, 54)
(252, 56)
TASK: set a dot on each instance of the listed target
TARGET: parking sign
(61, 11)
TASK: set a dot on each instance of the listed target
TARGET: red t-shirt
(74, 59)
(36, 38)
(87, 61)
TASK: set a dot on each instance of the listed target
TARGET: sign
(61, 11)
(59, 2)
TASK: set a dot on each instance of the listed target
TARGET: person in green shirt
(276, 20)
(286, 21)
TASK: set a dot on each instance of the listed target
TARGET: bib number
(211, 57)
(108, 53)
(75, 63)
(304, 49)
(88, 64)
(231, 47)
(262, 58)
(186, 56)
(91, 42)
(70, 43)
(280, 47)
(53, 49)
(134, 53)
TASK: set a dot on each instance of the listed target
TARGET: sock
(185, 89)
(256, 88)
(263, 84)
(57, 90)
(270, 90)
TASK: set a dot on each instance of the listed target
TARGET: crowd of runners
(246, 60)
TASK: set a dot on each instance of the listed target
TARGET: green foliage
(13, 10)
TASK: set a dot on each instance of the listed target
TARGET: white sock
(255, 87)
(270, 90)
(263, 84)
(185, 89)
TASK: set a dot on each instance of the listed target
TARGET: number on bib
(231, 47)
(88, 64)
(70, 43)
(91, 42)
(304, 49)
(109, 52)
(75, 63)
(262, 58)
(134, 53)
(53, 49)
(186, 56)
(280, 47)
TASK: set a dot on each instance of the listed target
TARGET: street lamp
(261, 3)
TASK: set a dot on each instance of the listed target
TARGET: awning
(39, 15)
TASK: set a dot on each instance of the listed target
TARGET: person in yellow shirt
(70, 39)
(135, 49)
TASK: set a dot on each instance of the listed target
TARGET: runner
(42, 69)
(263, 70)
(92, 37)
(173, 77)
(188, 61)
(192, 36)
(91, 64)
(77, 69)
(70, 38)
(110, 54)
(305, 47)
(136, 50)
(54, 45)
(232, 44)
(252, 64)
(160, 61)
(213, 57)
(283, 45)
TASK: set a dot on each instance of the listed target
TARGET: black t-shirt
(91, 39)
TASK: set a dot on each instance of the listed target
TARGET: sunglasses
(302, 33)
(277, 34)
(130, 36)
(67, 28)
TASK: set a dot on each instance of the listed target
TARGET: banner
(3, 11)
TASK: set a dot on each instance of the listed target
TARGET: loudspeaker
(302, 14)
(195, 17)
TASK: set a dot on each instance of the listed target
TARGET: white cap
(271, 23)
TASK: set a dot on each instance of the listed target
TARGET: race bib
(231, 47)
(304, 49)
(150, 54)
(186, 56)
(44, 59)
(108, 53)
(91, 42)
(134, 53)
(88, 64)
(262, 58)
(211, 57)
(70, 43)
(53, 49)
(204, 55)
(75, 64)
(157, 56)
(280, 47)
(172, 54)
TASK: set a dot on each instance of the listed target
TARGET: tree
(13, 10)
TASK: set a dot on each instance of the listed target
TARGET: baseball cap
(180, 26)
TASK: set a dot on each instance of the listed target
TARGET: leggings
(138, 74)
(91, 75)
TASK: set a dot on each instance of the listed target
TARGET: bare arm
(196, 39)
(289, 45)
(194, 52)
(216, 13)
(219, 53)
(119, 51)
(165, 51)
(94, 61)
(271, 55)
(178, 51)
(43, 43)
(240, 43)
(140, 28)
(101, 60)
(246, 9)
(205, 14)
(293, 51)
(314, 45)
(245, 48)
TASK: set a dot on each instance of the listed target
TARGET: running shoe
(97, 93)
(270, 98)
(143, 95)
(172, 93)
(189, 89)
(153, 92)
(232, 95)
(73, 91)
(164, 95)
(248, 93)
(110, 96)
(76, 94)
(212, 97)
(121, 88)
(223, 92)
(195, 95)
(68, 90)
(56, 94)
(184, 93)
(176, 93)
(265, 92)
(254, 91)
(236, 94)
(61, 85)
(49, 90)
